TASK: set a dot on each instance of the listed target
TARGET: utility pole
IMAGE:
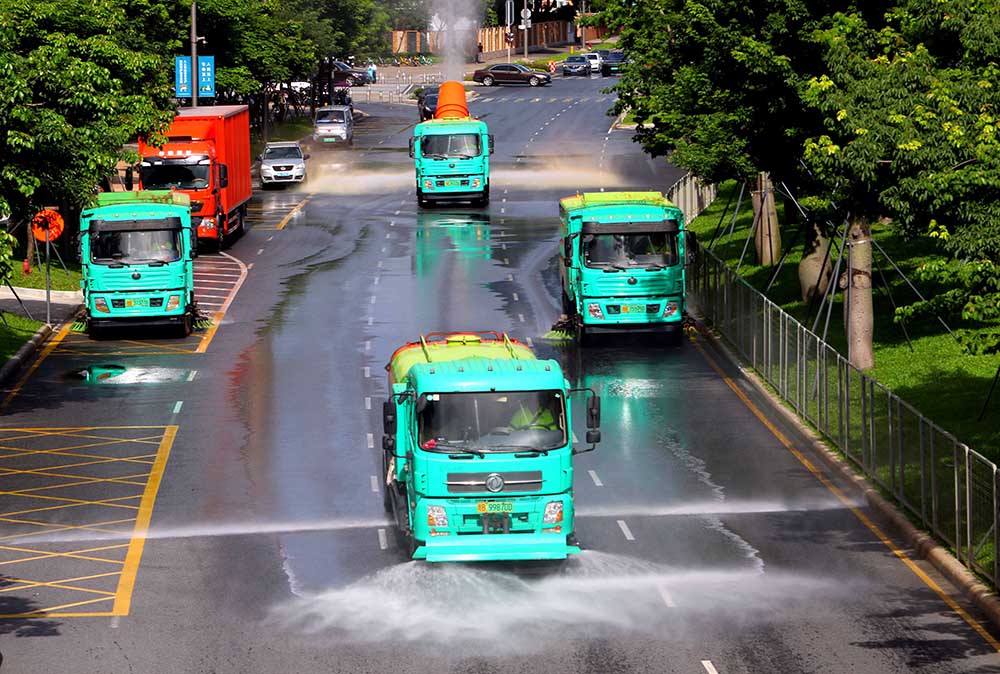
(194, 53)
(583, 28)
(526, 21)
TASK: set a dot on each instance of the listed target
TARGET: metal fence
(949, 487)
(691, 195)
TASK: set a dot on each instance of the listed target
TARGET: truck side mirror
(594, 413)
(129, 180)
(413, 148)
(194, 242)
(491, 143)
(691, 246)
(389, 417)
(223, 175)
(568, 251)
(593, 437)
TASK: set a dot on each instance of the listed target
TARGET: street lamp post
(194, 53)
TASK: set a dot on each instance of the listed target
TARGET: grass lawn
(61, 280)
(15, 333)
(930, 371)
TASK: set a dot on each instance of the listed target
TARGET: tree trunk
(816, 267)
(858, 309)
(767, 236)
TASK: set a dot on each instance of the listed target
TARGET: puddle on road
(111, 373)
(494, 607)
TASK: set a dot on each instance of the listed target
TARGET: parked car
(334, 124)
(427, 101)
(595, 61)
(577, 64)
(282, 164)
(344, 74)
(612, 65)
(511, 73)
(603, 53)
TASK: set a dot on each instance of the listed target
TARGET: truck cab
(622, 268)
(451, 152)
(136, 251)
(478, 450)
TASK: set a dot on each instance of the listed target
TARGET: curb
(17, 361)
(923, 544)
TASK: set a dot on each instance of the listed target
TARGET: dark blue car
(576, 65)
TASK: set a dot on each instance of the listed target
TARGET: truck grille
(466, 483)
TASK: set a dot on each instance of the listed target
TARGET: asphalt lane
(709, 547)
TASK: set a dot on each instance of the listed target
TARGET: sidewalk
(64, 302)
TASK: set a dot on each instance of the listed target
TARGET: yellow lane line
(107, 502)
(123, 598)
(31, 491)
(849, 504)
(75, 554)
(49, 528)
(298, 207)
(51, 611)
(78, 501)
(45, 471)
(61, 584)
(49, 348)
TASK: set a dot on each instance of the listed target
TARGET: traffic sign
(47, 225)
(206, 76)
(525, 13)
(510, 12)
(182, 76)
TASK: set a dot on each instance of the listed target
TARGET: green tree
(909, 115)
(79, 80)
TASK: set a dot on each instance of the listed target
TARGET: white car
(282, 164)
(595, 61)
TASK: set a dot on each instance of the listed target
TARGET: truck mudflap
(495, 547)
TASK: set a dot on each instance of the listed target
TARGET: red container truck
(207, 157)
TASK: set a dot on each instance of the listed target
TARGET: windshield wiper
(462, 156)
(449, 446)
(438, 156)
(151, 262)
(525, 448)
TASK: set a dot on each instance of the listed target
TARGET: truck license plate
(450, 183)
(495, 507)
(634, 309)
(137, 303)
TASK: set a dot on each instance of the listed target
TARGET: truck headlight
(428, 184)
(553, 512)
(594, 309)
(476, 182)
(173, 302)
(208, 223)
(436, 516)
(100, 304)
(669, 309)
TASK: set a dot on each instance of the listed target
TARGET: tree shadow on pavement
(13, 605)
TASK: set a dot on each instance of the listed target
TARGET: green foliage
(7, 244)
(80, 78)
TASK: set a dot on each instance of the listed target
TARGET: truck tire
(184, 329)
(568, 307)
(386, 496)
(422, 201)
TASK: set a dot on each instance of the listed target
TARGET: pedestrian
(479, 52)
(372, 71)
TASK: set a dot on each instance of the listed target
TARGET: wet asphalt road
(709, 547)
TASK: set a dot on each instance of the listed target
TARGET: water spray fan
(451, 101)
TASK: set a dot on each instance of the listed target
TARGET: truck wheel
(582, 338)
(184, 329)
(421, 199)
(568, 307)
(386, 496)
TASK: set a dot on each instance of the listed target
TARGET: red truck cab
(207, 157)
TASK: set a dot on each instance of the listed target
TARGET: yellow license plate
(634, 309)
(495, 507)
(137, 303)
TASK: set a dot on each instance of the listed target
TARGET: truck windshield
(458, 145)
(150, 245)
(492, 422)
(330, 117)
(181, 176)
(629, 251)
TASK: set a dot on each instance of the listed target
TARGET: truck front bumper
(625, 314)
(495, 547)
(452, 188)
(142, 308)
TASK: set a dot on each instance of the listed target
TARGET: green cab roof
(438, 348)
(449, 125)
(593, 199)
(468, 375)
(165, 197)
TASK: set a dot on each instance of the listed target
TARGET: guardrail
(691, 196)
(949, 488)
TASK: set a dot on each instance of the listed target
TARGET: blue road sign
(206, 76)
(182, 76)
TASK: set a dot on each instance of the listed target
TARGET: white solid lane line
(625, 530)
(665, 596)
(597, 480)
(709, 667)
